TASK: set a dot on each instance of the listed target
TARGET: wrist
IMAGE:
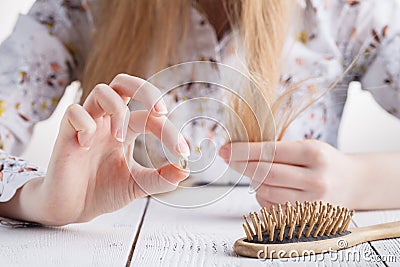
(23, 205)
(39, 203)
(30, 204)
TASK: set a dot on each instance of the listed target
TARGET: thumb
(149, 181)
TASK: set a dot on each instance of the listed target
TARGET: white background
(365, 126)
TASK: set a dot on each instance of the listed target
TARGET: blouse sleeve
(44, 54)
(382, 75)
(14, 173)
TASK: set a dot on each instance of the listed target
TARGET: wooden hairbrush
(291, 231)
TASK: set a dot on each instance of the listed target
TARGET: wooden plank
(388, 250)
(105, 241)
(205, 236)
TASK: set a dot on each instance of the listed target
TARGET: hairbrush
(310, 227)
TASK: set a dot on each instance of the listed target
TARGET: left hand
(303, 170)
(91, 170)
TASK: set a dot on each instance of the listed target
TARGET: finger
(77, 126)
(280, 195)
(103, 100)
(298, 153)
(133, 87)
(265, 203)
(162, 128)
(279, 175)
(248, 151)
(151, 181)
(77, 131)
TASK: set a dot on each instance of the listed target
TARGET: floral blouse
(47, 48)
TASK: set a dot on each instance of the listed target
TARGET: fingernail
(119, 135)
(183, 149)
(252, 190)
(161, 108)
(84, 143)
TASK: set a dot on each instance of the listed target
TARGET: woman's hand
(92, 170)
(304, 170)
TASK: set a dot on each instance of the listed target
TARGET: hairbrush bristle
(304, 221)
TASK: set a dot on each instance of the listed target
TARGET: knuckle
(120, 79)
(73, 112)
(71, 109)
(121, 76)
(100, 89)
(272, 174)
(316, 151)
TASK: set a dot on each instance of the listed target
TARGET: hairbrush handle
(377, 232)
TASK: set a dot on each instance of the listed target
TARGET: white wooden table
(150, 233)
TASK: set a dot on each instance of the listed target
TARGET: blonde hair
(131, 32)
